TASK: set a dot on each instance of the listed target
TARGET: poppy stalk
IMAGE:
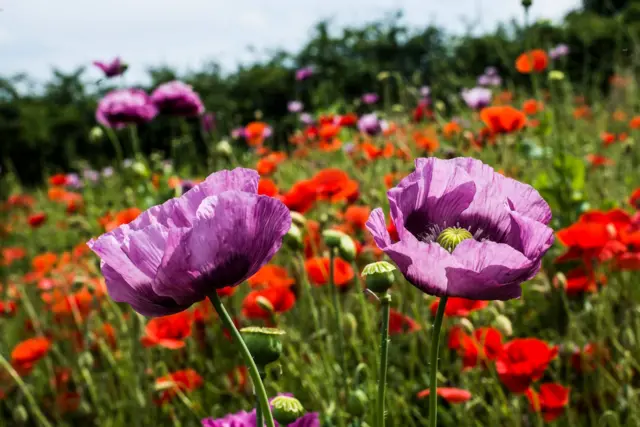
(261, 393)
(385, 304)
(338, 315)
(433, 375)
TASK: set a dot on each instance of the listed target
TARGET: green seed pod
(357, 403)
(293, 239)
(298, 219)
(378, 276)
(286, 410)
(347, 248)
(333, 238)
(96, 134)
(452, 237)
(263, 343)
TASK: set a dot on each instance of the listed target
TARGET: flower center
(451, 237)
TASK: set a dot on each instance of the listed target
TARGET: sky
(37, 35)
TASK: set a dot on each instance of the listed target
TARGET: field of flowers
(475, 257)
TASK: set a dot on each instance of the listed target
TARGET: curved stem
(261, 393)
(385, 303)
(433, 375)
(259, 415)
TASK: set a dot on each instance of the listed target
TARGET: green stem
(433, 375)
(385, 304)
(337, 311)
(117, 147)
(261, 393)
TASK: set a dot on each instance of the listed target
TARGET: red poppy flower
(588, 358)
(349, 119)
(532, 61)
(312, 239)
(458, 307)
(634, 123)
(400, 323)
(271, 276)
(267, 187)
(451, 129)
(58, 180)
(318, 271)
(426, 141)
(280, 299)
(532, 107)
(582, 112)
(301, 197)
(524, 361)
(483, 346)
(256, 132)
(37, 219)
(183, 381)
(503, 119)
(581, 280)
(422, 112)
(550, 401)
(596, 160)
(391, 179)
(27, 353)
(12, 254)
(168, 331)
(335, 185)
(357, 216)
(450, 394)
(608, 138)
(238, 379)
(8, 308)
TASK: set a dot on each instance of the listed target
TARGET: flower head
(533, 61)
(370, 124)
(295, 106)
(173, 255)
(125, 106)
(559, 51)
(550, 400)
(304, 73)
(506, 219)
(523, 361)
(112, 69)
(477, 98)
(370, 98)
(177, 99)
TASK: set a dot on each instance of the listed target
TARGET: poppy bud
(560, 281)
(140, 169)
(20, 414)
(293, 238)
(298, 219)
(347, 248)
(96, 134)
(527, 3)
(332, 238)
(224, 148)
(378, 276)
(503, 324)
(357, 403)
(556, 75)
(265, 304)
(467, 325)
(286, 410)
(351, 324)
(263, 343)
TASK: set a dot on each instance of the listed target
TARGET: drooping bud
(298, 219)
(20, 414)
(357, 403)
(556, 75)
(140, 169)
(347, 248)
(503, 324)
(263, 343)
(452, 237)
(224, 148)
(286, 410)
(378, 276)
(467, 325)
(96, 134)
(265, 304)
(332, 238)
(293, 239)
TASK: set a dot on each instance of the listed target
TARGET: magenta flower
(112, 69)
(177, 99)
(304, 73)
(125, 106)
(370, 98)
(465, 230)
(477, 98)
(295, 106)
(208, 122)
(173, 255)
(248, 419)
(559, 51)
(371, 124)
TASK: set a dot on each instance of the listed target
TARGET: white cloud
(39, 34)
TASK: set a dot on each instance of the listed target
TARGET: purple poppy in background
(91, 175)
(121, 107)
(237, 133)
(370, 98)
(295, 106)
(304, 73)
(307, 119)
(498, 227)
(371, 124)
(248, 419)
(173, 255)
(476, 98)
(490, 77)
(425, 91)
(559, 51)
(107, 172)
(177, 98)
(208, 122)
(73, 181)
(112, 69)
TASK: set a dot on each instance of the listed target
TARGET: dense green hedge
(46, 130)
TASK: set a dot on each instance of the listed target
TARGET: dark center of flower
(451, 237)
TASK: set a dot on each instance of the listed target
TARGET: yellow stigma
(452, 236)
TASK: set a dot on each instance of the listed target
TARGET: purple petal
(378, 228)
(529, 236)
(233, 235)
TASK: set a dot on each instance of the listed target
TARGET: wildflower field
(458, 257)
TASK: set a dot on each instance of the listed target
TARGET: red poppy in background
(634, 123)
(535, 60)
(422, 112)
(583, 279)
(523, 361)
(183, 381)
(12, 254)
(450, 394)
(318, 271)
(280, 299)
(266, 187)
(58, 180)
(8, 308)
(458, 307)
(596, 160)
(238, 379)
(256, 132)
(426, 141)
(503, 119)
(401, 324)
(37, 219)
(27, 353)
(550, 400)
(20, 201)
(168, 331)
(357, 217)
(372, 152)
(301, 197)
(484, 345)
(312, 239)
(271, 276)
(268, 164)
(532, 107)
(451, 129)
(349, 119)
(335, 185)
(391, 179)
(588, 358)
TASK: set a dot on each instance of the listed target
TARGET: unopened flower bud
(263, 343)
(527, 3)
(332, 238)
(224, 148)
(140, 169)
(499, 305)
(265, 304)
(347, 248)
(293, 238)
(556, 75)
(357, 403)
(378, 276)
(20, 414)
(503, 324)
(351, 324)
(96, 134)
(298, 219)
(560, 281)
(286, 410)
(467, 325)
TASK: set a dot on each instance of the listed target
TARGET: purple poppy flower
(121, 107)
(112, 69)
(370, 98)
(91, 175)
(177, 98)
(499, 223)
(304, 73)
(237, 133)
(173, 255)
(491, 71)
(425, 91)
(295, 106)
(248, 419)
(559, 51)
(307, 119)
(208, 122)
(107, 172)
(476, 98)
(370, 124)
(489, 80)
